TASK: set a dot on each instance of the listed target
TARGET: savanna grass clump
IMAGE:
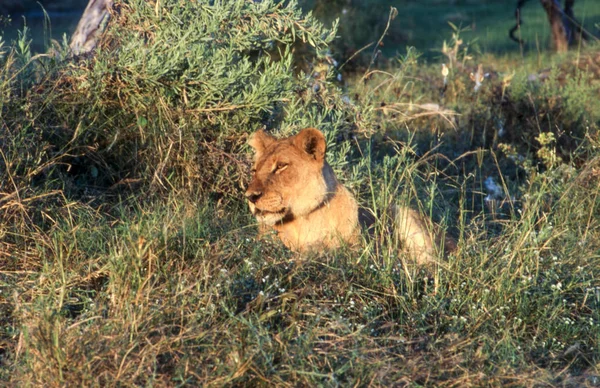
(127, 255)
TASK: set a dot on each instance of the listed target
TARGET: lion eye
(279, 167)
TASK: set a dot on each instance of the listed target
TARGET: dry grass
(128, 257)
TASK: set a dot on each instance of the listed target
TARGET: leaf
(142, 122)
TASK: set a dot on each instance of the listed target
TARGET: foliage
(128, 257)
(181, 85)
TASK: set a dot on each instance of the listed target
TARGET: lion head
(290, 177)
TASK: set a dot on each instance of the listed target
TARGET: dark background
(422, 24)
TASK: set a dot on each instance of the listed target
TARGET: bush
(170, 94)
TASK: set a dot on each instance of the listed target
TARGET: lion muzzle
(253, 195)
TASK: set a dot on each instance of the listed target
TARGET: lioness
(295, 192)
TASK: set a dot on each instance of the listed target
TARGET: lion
(294, 192)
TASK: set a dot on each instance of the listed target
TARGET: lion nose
(253, 196)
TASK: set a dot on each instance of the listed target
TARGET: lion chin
(269, 218)
(294, 192)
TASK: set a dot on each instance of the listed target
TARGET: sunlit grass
(128, 256)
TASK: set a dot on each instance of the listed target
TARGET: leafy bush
(172, 92)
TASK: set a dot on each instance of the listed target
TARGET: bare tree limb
(558, 28)
(517, 26)
(566, 30)
(575, 30)
(90, 26)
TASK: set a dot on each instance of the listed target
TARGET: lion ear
(260, 140)
(312, 141)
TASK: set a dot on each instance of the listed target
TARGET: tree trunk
(576, 34)
(92, 24)
(558, 28)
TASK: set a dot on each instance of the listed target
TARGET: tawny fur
(295, 192)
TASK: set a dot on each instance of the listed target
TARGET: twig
(392, 16)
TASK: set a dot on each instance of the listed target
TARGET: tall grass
(128, 257)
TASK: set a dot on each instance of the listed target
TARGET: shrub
(171, 92)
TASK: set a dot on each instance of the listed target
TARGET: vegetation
(420, 24)
(128, 255)
(18, 6)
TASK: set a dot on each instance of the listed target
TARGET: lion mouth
(269, 217)
(266, 213)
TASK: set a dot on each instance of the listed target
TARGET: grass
(46, 20)
(128, 256)
(424, 25)
(489, 24)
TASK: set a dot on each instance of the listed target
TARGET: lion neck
(331, 186)
(333, 218)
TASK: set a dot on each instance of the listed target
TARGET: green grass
(489, 24)
(128, 256)
(424, 24)
(45, 20)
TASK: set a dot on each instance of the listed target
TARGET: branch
(90, 27)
